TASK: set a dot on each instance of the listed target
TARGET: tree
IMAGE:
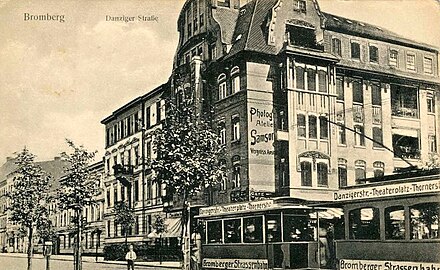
(159, 226)
(125, 217)
(77, 190)
(188, 152)
(28, 197)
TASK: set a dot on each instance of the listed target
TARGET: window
(364, 224)
(393, 58)
(115, 228)
(311, 79)
(148, 150)
(136, 156)
(196, 25)
(432, 142)
(378, 169)
(376, 94)
(427, 65)
(377, 137)
(355, 50)
(136, 190)
(430, 102)
(424, 221)
(406, 143)
(395, 223)
(224, 3)
(236, 175)
(359, 139)
(360, 173)
(301, 124)
(222, 91)
(340, 88)
(374, 54)
(336, 46)
(341, 135)
(253, 230)
(115, 195)
(297, 228)
(223, 183)
(232, 231)
(148, 117)
(235, 127)
(322, 80)
(306, 173)
(202, 20)
(411, 62)
(108, 197)
(404, 101)
(342, 172)
(299, 72)
(235, 80)
(108, 230)
(358, 91)
(312, 127)
(322, 170)
(323, 127)
(214, 231)
(300, 6)
(136, 225)
(222, 132)
(189, 29)
(273, 228)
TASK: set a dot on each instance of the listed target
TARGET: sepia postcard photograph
(219, 134)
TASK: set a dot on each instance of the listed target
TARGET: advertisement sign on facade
(236, 208)
(235, 264)
(385, 265)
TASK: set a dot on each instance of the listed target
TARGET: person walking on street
(130, 257)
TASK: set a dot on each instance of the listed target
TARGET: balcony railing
(123, 173)
(404, 112)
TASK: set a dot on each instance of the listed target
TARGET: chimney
(57, 158)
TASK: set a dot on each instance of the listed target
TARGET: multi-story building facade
(129, 150)
(10, 237)
(306, 101)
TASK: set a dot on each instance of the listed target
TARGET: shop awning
(329, 213)
(173, 229)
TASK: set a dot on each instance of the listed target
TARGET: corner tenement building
(304, 101)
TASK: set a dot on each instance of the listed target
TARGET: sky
(60, 79)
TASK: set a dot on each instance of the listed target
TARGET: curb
(139, 264)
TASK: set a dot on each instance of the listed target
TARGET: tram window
(394, 223)
(364, 224)
(424, 221)
(273, 228)
(232, 231)
(297, 228)
(214, 231)
(253, 230)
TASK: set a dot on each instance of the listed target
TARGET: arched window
(235, 127)
(342, 172)
(222, 132)
(222, 90)
(378, 168)
(235, 79)
(306, 173)
(360, 172)
(322, 170)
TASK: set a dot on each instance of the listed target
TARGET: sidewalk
(169, 265)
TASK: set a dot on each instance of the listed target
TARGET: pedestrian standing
(130, 257)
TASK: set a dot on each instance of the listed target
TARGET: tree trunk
(79, 240)
(186, 265)
(126, 240)
(30, 248)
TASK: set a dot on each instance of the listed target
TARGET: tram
(269, 234)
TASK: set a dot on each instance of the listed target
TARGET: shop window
(430, 102)
(364, 224)
(299, 72)
(404, 101)
(301, 125)
(273, 228)
(253, 230)
(379, 168)
(306, 173)
(406, 143)
(322, 80)
(411, 62)
(395, 223)
(222, 132)
(377, 137)
(235, 127)
(424, 221)
(232, 231)
(323, 127)
(214, 231)
(374, 54)
(312, 127)
(360, 171)
(355, 50)
(297, 228)
(322, 170)
(311, 79)
(393, 55)
(427, 65)
(342, 172)
(336, 46)
(235, 75)
(359, 139)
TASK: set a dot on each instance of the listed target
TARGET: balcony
(123, 173)
(377, 115)
(406, 112)
(358, 113)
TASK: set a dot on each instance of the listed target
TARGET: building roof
(227, 19)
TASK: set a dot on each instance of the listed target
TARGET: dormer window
(224, 3)
(355, 50)
(374, 54)
(300, 6)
